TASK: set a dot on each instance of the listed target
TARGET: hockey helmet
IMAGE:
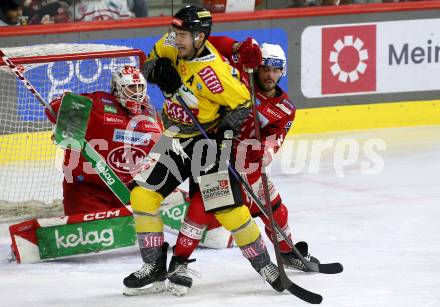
(130, 87)
(194, 19)
(273, 56)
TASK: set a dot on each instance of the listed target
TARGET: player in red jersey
(276, 114)
(120, 119)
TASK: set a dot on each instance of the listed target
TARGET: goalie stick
(296, 290)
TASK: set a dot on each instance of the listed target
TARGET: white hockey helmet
(130, 87)
(273, 55)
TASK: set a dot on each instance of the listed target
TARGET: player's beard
(186, 52)
(266, 87)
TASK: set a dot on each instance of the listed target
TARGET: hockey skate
(179, 280)
(291, 261)
(271, 274)
(150, 278)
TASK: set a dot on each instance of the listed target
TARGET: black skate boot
(259, 258)
(179, 280)
(150, 278)
(271, 274)
(291, 261)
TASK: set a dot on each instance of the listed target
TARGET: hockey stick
(286, 282)
(329, 268)
(325, 268)
(296, 290)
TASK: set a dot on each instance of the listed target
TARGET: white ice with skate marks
(383, 228)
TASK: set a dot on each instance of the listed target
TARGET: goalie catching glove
(163, 73)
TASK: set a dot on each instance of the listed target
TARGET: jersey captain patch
(211, 80)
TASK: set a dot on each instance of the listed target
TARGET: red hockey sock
(192, 228)
(185, 246)
(280, 216)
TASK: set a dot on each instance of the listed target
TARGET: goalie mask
(130, 87)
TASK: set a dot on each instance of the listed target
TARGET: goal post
(30, 165)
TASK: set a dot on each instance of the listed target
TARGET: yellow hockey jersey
(209, 82)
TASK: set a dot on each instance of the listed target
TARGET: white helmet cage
(273, 55)
(128, 83)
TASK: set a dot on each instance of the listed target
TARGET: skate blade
(156, 287)
(177, 290)
(295, 268)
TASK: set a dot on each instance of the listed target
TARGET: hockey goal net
(30, 165)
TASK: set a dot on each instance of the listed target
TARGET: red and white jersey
(276, 114)
(111, 129)
(88, 10)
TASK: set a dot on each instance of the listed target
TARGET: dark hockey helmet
(194, 19)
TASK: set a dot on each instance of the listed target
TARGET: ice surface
(383, 227)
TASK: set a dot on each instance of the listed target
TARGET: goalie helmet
(130, 87)
(273, 56)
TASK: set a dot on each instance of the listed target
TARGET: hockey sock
(280, 216)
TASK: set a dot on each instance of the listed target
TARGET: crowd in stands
(24, 12)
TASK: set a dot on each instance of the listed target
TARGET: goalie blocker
(80, 234)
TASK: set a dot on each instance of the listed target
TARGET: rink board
(21, 147)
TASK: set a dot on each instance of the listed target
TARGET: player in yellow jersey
(184, 63)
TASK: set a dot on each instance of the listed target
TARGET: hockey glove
(165, 76)
(250, 53)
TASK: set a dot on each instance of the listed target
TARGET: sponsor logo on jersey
(177, 113)
(113, 119)
(283, 107)
(288, 125)
(269, 110)
(211, 80)
(206, 58)
(235, 58)
(110, 109)
(148, 126)
(183, 70)
(107, 101)
(131, 137)
(126, 159)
